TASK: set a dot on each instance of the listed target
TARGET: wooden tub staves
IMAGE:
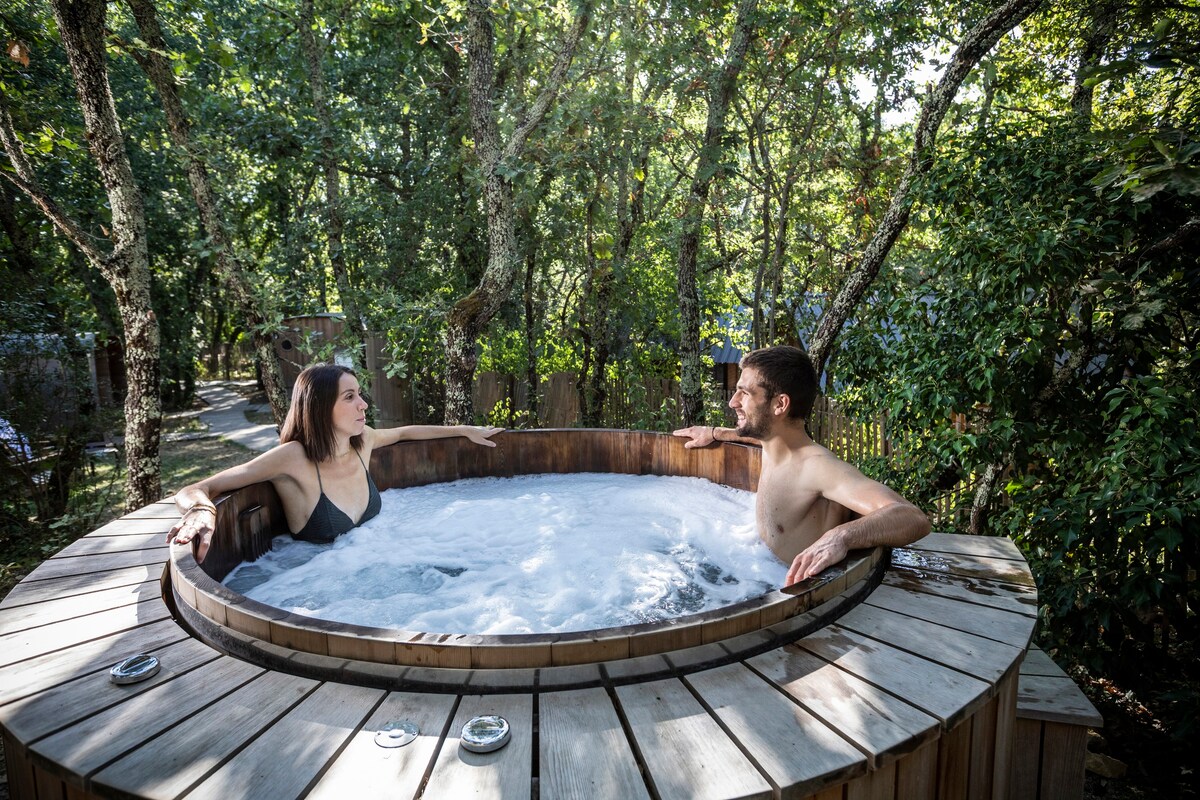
(838, 689)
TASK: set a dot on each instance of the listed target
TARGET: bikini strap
(320, 485)
(364, 464)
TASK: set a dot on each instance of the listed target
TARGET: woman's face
(349, 409)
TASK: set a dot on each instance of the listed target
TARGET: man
(805, 493)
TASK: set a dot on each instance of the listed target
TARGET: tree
(232, 266)
(471, 314)
(974, 46)
(721, 89)
(126, 264)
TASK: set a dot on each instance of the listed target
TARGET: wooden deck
(911, 694)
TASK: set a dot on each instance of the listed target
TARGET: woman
(319, 468)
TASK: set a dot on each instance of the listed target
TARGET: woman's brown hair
(310, 418)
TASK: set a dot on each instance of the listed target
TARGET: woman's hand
(481, 435)
(198, 522)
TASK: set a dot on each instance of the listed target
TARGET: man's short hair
(786, 370)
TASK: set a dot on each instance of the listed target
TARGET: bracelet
(713, 432)
(204, 506)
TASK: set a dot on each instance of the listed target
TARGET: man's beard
(753, 429)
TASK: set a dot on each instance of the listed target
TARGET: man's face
(752, 406)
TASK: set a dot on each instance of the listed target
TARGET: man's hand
(823, 553)
(700, 436)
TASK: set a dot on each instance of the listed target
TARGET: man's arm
(704, 435)
(886, 519)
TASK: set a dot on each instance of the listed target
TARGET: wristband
(713, 431)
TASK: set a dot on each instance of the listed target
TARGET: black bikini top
(327, 521)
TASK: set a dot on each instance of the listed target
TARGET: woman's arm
(195, 501)
(478, 435)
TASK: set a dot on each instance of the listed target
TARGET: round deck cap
(134, 669)
(485, 733)
(396, 733)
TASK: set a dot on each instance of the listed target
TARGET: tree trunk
(313, 52)
(691, 377)
(233, 270)
(974, 46)
(1104, 18)
(127, 266)
(470, 316)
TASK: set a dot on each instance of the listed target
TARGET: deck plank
(292, 752)
(93, 742)
(32, 642)
(940, 691)
(41, 714)
(882, 725)
(584, 752)
(968, 545)
(799, 752)
(1000, 570)
(503, 773)
(33, 592)
(686, 752)
(366, 771)
(132, 526)
(62, 666)
(87, 565)
(32, 615)
(98, 545)
(985, 659)
(161, 509)
(1009, 597)
(981, 619)
(1055, 699)
(1038, 662)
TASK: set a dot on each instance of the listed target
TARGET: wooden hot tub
(844, 687)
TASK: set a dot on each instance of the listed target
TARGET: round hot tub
(278, 639)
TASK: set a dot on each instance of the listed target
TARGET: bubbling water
(530, 554)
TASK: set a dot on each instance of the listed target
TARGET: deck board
(503, 773)
(32, 592)
(983, 658)
(584, 752)
(798, 751)
(686, 752)
(90, 564)
(32, 615)
(937, 690)
(98, 545)
(43, 713)
(291, 753)
(881, 725)
(986, 546)
(24, 678)
(998, 624)
(31, 642)
(1009, 597)
(366, 771)
(96, 740)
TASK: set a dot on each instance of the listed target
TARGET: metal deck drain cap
(134, 669)
(396, 733)
(485, 734)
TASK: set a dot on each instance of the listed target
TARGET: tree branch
(25, 179)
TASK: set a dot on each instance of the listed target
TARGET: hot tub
(249, 518)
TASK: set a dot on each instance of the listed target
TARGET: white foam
(531, 554)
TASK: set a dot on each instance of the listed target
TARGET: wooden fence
(637, 403)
